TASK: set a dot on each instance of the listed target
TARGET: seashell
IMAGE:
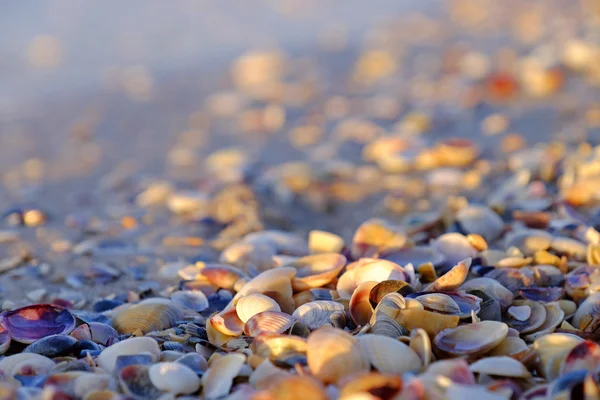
(389, 356)
(535, 320)
(542, 294)
(511, 346)
(123, 361)
(222, 275)
(194, 361)
(268, 321)
(89, 382)
(457, 370)
(374, 270)
(135, 382)
(457, 152)
(297, 387)
(283, 242)
(421, 345)
(4, 341)
(452, 279)
(520, 313)
(316, 270)
(153, 314)
(316, 313)
(512, 279)
(454, 247)
(277, 346)
(480, 220)
(473, 340)
(427, 272)
(585, 355)
(265, 374)
(477, 241)
(587, 315)
(384, 325)
(547, 275)
(459, 392)
(218, 379)
(593, 254)
(324, 242)
(24, 364)
(30, 323)
(568, 306)
(492, 288)
(52, 346)
(500, 366)
(439, 302)
(275, 283)
(514, 262)
(133, 346)
(569, 247)
(430, 322)
(417, 255)
(227, 322)
(366, 383)
(174, 378)
(103, 334)
(529, 241)
(554, 317)
(376, 235)
(102, 395)
(360, 307)
(250, 305)
(552, 350)
(389, 286)
(194, 300)
(333, 354)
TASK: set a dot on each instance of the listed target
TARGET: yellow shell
(250, 305)
(149, 315)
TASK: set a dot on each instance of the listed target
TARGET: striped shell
(268, 321)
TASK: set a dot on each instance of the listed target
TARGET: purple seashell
(543, 294)
(30, 323)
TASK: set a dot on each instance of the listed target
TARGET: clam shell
(439, 302)
(473, 340)
(250, 305)
(275, 283)
(480, 220)
(584, 356)
(135, 382)
(317, 313)
(194, 361)
(360, 307)
(554, 316)
(452, 279)
(389, 356)
(386, 325)
(492, 288)
(365, 383)
(511, 278)
(552, 350)
(535, 320)
(520, 313)
(333, 354)
(324, 242)
(375, 235)
(174, 378)
(268, 321)
(133, 346)
(190, 299)
(153, 314)
(30, 323)
(421, 345)
(51, 346)
(316, 270)
(24, 364)
(297, 387)
(431, 322)
(529, 241)
(218, 379)
(373, 270)
(511, 346)
(500, 366)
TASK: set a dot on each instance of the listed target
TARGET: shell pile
(466, 269)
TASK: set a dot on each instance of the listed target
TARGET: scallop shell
(174, 378)
(452, 279)
(372, 270)
(316, 270)
(500, 366)
(268, 321)
(480, 220)
(389, 356)
(360, 307)
(333, 354)
(376, 235)
(317, 313)
(153, 314)
(473, 340)
(218, 379)
(137, 345)
(250, 305)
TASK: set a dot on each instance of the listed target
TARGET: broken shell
(268, 321)
(250, 305)
(389, 356)
(316, 270)
(376, 235)
(473, 340)
(317, 313)
(137, 345)
(360, 307)
(190, 299)
(520, 313)
(333, 354)
(452, 279)
(174, 378)
(439, 302)
(373, 270)
(492, 288)
(366, 383)
(480, 220)
(218, 379)
(30, 323)
(500, 366)
(135, 381)
(24, 364)
(153, 314)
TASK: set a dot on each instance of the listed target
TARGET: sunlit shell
(439, 302)
(268, 321)
(360, 307)
(275, 283)
(376, 235)
(427, 272)
(137, 345)
(317, 313)
(537, 316)
(473, 340)
(250, 305)
(309, 295)
(227, 322)
(514, 262)
(385, 287)
(376, 270)
(552, 350)
(218, 379)
(191, 299)
(420, 343)
(153, 314)
(452, 279)
(510, 346)
(554, 317)
(568, 306)
(30, 323)
(222, 275)
(500, 366)
(333, 354)
(249, 257)
(569, 247)
(365, 383)
(480, 220)
(585, 355)
(324, 242)
(457, 370)
(492, 288)
(593, 254)
(529, 241)
(389, 356)
(417, 255)
(316, 270)
(454, 247)
(174, 377)
(274, 347)
(587, 316)
(430, 322)
(24, 364)
(297, 387)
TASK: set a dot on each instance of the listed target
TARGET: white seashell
(277, 281)
(24, 363)
(454, 247)
(132, 346)
(317, 313)
(249, 306)
(87, 383)
(174, 378)
(369, 270)
(520, 313)
(439, 302)
(191, 299)
(500, 366)
(389, 356)
(218, 379)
